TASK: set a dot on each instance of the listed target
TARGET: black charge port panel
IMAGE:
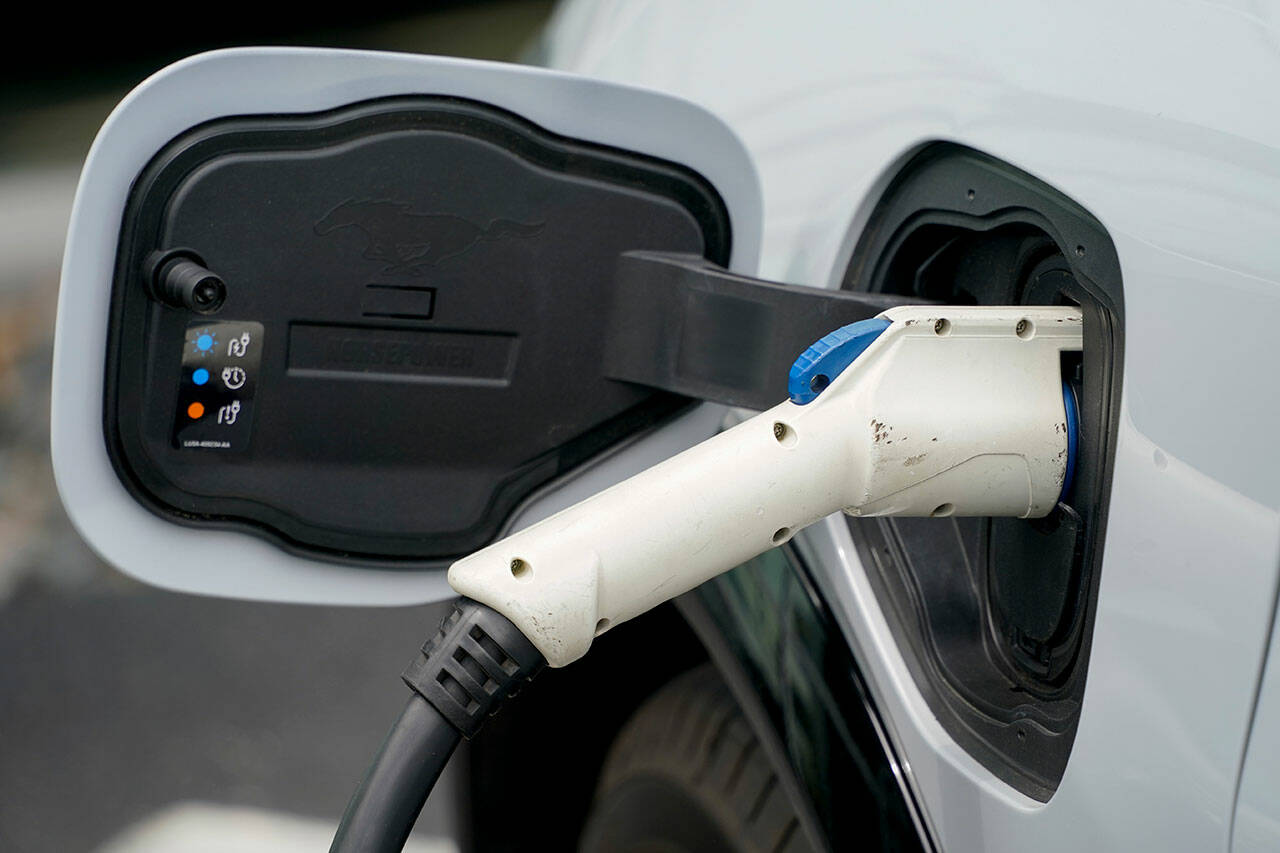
(422, 286)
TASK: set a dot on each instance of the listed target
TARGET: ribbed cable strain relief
(473, 663)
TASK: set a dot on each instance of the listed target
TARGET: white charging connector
(926, 411)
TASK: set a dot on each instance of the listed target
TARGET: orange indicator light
(195, 411)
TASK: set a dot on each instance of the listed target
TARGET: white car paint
(1164, 121)
(1257, 822)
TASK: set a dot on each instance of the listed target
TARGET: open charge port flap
(995, 615)
(428, 283)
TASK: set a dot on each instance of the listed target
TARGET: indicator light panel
(220, 364)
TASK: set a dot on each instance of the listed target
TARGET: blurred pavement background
(135, 720)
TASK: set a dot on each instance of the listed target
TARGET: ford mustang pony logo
(406, 241)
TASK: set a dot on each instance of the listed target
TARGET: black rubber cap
(183, 283)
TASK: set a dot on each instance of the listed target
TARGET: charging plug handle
(939, 411)
(923, 411)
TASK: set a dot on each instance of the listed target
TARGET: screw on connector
(784, 434)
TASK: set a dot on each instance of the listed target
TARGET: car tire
(687, 775)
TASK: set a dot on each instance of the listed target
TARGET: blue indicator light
(200, 376)
(203, 342)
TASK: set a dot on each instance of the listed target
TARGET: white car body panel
(1163, 120)
(1257, 822)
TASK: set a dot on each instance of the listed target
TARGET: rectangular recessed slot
(399, 301)
(400, 355)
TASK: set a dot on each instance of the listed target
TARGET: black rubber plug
(184, 283)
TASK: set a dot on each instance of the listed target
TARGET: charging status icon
(203, 342)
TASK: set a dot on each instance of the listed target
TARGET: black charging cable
(461, 677)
